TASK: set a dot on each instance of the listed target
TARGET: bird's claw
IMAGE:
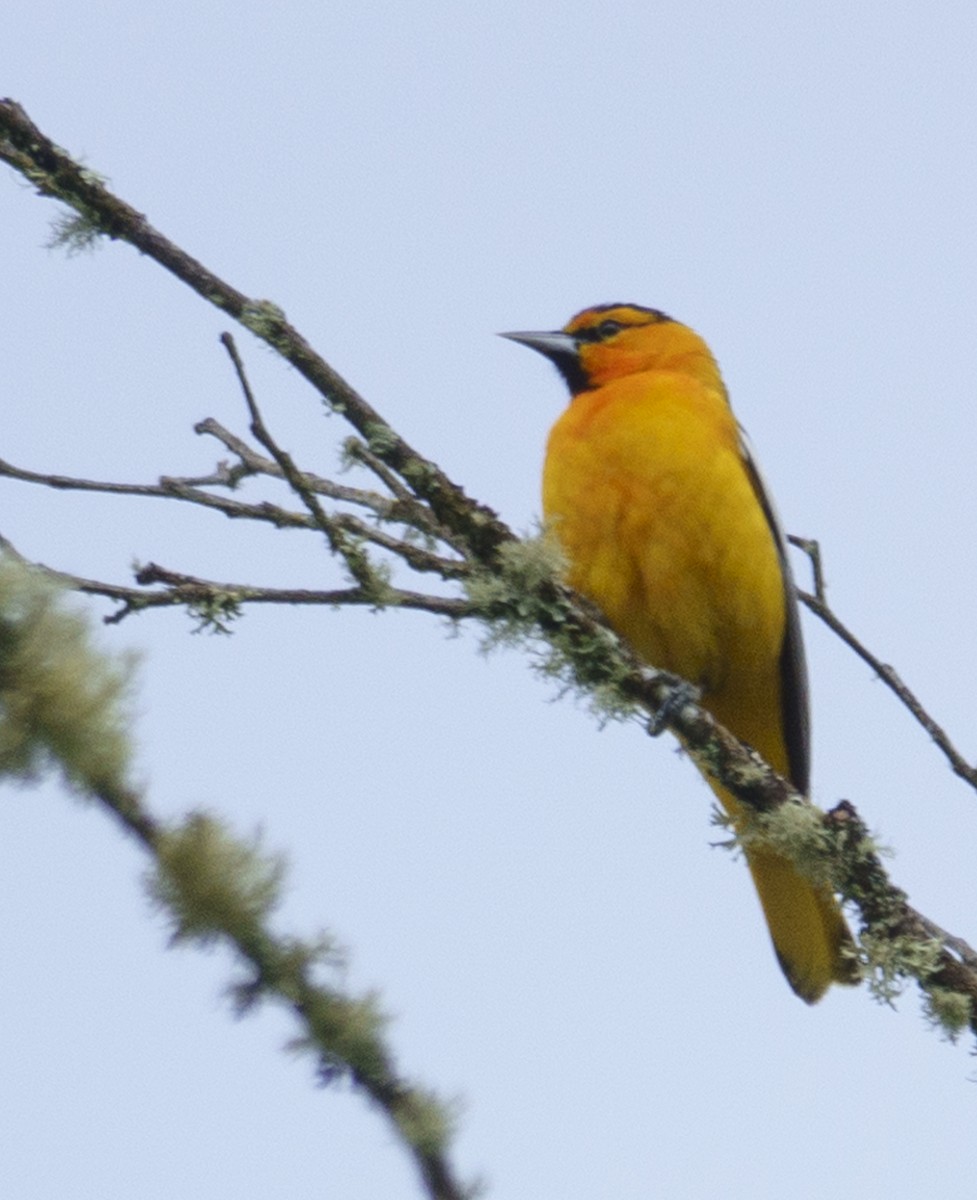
(680, 693)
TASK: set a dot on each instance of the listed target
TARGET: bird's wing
(793, 667)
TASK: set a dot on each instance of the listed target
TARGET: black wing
(794, 695)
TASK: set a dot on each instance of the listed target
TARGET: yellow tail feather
(809, 933)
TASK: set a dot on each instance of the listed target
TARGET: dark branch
(585, 651)
(819, 606)
(55, 174)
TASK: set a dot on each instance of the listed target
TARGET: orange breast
(645, 488)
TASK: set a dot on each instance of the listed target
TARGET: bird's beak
(555, 346)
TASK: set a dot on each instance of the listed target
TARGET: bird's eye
(607, 329)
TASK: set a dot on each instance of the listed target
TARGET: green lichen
(417, 471)
(211, 883)
(425, 1121)
(521, 604)
(75, 233)
(948, 1011)
(265, 320)
(380, 439)
(797, 831)
(63, 703)
(215, 612)
(375, 581)
(893, 960)
(508, 597)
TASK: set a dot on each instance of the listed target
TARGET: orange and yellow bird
(665, 524)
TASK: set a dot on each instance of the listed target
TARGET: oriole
(652, 493)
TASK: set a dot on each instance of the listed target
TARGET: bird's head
(612, 340)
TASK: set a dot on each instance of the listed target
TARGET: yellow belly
(646, 490)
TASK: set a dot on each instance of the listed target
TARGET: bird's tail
(810, 936)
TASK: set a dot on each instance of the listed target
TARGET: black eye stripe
(602, 331)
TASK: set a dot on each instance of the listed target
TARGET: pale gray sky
(536, 899)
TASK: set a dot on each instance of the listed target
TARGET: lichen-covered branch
(54, 173)
(416, 517)
(63, 707)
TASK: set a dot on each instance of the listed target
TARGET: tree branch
(510, 585)
(215, 604)
(65, 707)
(54, 173)
(818, 605)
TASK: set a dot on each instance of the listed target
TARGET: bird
(663, 521)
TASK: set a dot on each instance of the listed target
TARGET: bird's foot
(679, 693)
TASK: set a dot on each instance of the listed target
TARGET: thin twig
(358, 450)
(890, 678)
(812, 549)
(192, 588)
(253, 463)
(356, 560)
(189, 490)
(405, 506)
(818, 605)
(195, 592)
(54, 173)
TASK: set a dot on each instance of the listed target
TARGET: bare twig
(190, 490)
(253, 463)
(812, 549)
(405, 506)
(215, 603)
(192, 590)
(348, 549)
(54, 173)
(819, 606)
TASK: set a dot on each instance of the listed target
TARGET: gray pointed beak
(563, 351)
(553, 345)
